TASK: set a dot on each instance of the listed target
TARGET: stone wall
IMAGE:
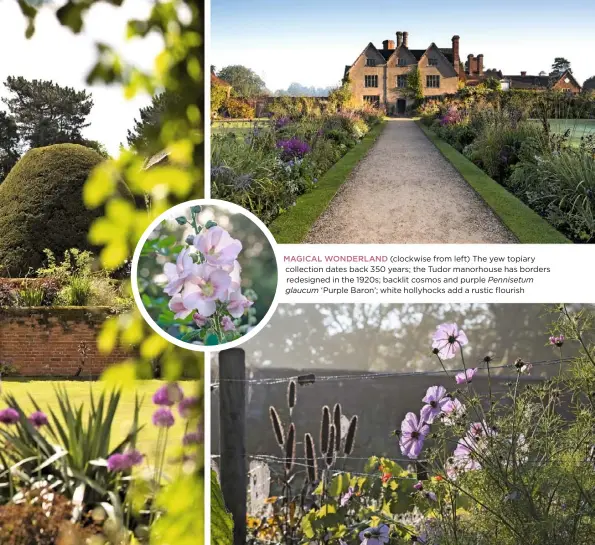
(49, 341)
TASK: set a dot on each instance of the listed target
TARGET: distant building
(379, 76)
(559, 82)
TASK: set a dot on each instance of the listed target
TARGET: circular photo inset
(204, 274)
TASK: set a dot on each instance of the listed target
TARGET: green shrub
(41, 206)
(30, 296)
(218, 97)
(237, 108)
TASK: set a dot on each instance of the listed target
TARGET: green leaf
(339, 485)
(221, 521)
(211, 340)
(191, 336)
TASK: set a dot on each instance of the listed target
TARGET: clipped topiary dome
(41, 206)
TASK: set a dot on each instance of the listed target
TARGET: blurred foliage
(178, 69)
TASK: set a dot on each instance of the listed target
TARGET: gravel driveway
(405, 191)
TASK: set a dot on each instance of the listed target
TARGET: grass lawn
(528, 226)
(293, 226)
(577, 127)
(241, 126)
(78, 392)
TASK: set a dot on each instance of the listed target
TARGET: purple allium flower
(227, 324)
(347, 496)
(168, 394)
(189, 406)
(466, 376)
(413, 434)
(418, 485)
(163, 418)
(9, 416)
(378, 535)
(193, 438)
(124, 462)
(557, 341)
(294, 148)
(447, 339)
(436, 399)
(38, 419)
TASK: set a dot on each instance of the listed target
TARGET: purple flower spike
(124, 462)
(294, 148)
(168, 394)
(413, 435)
(189, 406)
(38, 419)
(193, 438)
(163, 418)
(9, 416)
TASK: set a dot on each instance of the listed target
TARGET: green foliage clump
(218, 97)
(41, 206)
(236, 108)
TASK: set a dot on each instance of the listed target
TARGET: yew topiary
(41, 206)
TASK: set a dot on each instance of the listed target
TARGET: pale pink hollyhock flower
(202, 292)
(235, 271)
(176, 305)
(237, 304)
(179, 272)
(227, 324)
(448, 339)
(218, 246)
(465, 377)
(199, 319)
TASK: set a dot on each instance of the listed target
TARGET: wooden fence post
(232, 418)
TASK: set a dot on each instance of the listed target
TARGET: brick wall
(46, 341)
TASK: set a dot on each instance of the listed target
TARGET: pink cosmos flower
(217, 246)
(448, 339)
(178, 274)
(413, 435)
(203, 291)
(465, 454)
(557, 341)
(453, 411)
(466, 376)
(436, 400)
(347, 496)
(237, 304)
(227, 324)
(176, 305)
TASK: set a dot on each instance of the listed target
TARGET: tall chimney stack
(388, 44)
(456, 61)
(399, 38)
(480, 64)
(523, 73)
(406, 39)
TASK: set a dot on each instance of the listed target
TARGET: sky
(55, 53)
(311, 41)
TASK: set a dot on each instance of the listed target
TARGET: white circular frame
(233, 208)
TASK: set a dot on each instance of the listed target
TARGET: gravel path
(405, 191)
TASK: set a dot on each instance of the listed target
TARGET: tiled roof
(419, 53)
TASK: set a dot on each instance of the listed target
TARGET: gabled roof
(539, 82)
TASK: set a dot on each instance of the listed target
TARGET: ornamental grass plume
(311, 460)
(350, 437)
(325, 426)
(290, 448)
(337, 423)
(291, 395)
(277, 426)
(331, 454)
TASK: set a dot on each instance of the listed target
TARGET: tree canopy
(245, 82)
(589, 84)
(560, 66)
(47, 113)
(9, 144)
(296, 89)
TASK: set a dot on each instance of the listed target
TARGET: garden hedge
(41, 206)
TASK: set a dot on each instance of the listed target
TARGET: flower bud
(195, 209)
(189, 239)
(182, 220)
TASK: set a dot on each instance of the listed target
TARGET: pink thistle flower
(436, 399)
(413, 435)
(178, 274)
(217, 246)
(465, 377)
(447, 340)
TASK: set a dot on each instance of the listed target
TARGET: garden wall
(49, 341)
